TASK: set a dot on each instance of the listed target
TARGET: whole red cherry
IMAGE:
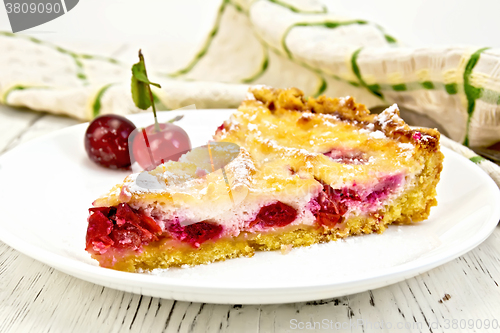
(106, 141)
(152, 147)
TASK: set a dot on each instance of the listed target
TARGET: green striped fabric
(279, 43)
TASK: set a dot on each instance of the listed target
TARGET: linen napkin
(280, 43)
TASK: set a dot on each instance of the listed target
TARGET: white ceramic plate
(48, 184)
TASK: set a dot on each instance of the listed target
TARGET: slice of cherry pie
(307, 171)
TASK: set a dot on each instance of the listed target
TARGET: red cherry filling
(221, 127)
(220, 130)
(119, 227)
(97, 232)
(331, 208)
(196, 233)
(333, 203)
(380, 191)
(347, 156)
(275, 215)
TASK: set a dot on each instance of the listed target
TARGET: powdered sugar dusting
(252, 127)
(342, 100)
(407, 149)
(389, 115)
(287, 151)
(242, 168)
(378, 135)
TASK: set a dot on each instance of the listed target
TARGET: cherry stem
(157, 126)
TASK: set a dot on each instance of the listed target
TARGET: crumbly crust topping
(346, 109)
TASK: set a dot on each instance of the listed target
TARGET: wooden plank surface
(37, 298)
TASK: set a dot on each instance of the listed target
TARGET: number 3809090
(32, 8)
